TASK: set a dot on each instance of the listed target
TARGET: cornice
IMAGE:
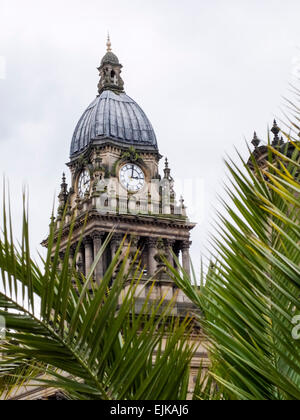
(127, 219)
(104, 142)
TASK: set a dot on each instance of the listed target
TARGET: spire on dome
(108, 44)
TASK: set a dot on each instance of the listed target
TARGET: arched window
(113, 77)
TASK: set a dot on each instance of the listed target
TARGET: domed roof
(115, 116)
(111, 58)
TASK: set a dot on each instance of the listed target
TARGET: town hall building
(117, 191)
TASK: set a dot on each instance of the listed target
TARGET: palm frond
(89, 340)
(252, 292)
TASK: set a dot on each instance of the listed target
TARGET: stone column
(177, 254)
(134, 242)
(99, 270)
(186, 262)
(88, 251)
(169, 248)
(61, 257)
(71, 255)
(80, 260)
(152, 251)
(115, 244)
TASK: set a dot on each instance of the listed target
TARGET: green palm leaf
(87, 340)
(252, 290)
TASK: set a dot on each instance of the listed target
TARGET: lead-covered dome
(110, 58)
(113, 115)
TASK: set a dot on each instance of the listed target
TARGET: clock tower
(116, 186)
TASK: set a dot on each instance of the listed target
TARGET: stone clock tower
(116, 184)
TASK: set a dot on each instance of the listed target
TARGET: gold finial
(108, 44)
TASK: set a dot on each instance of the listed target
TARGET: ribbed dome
(110, 57)
(116, 116)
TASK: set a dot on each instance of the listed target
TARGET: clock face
(132, 177)
(84, 183)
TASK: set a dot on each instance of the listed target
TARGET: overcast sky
(207, 74)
